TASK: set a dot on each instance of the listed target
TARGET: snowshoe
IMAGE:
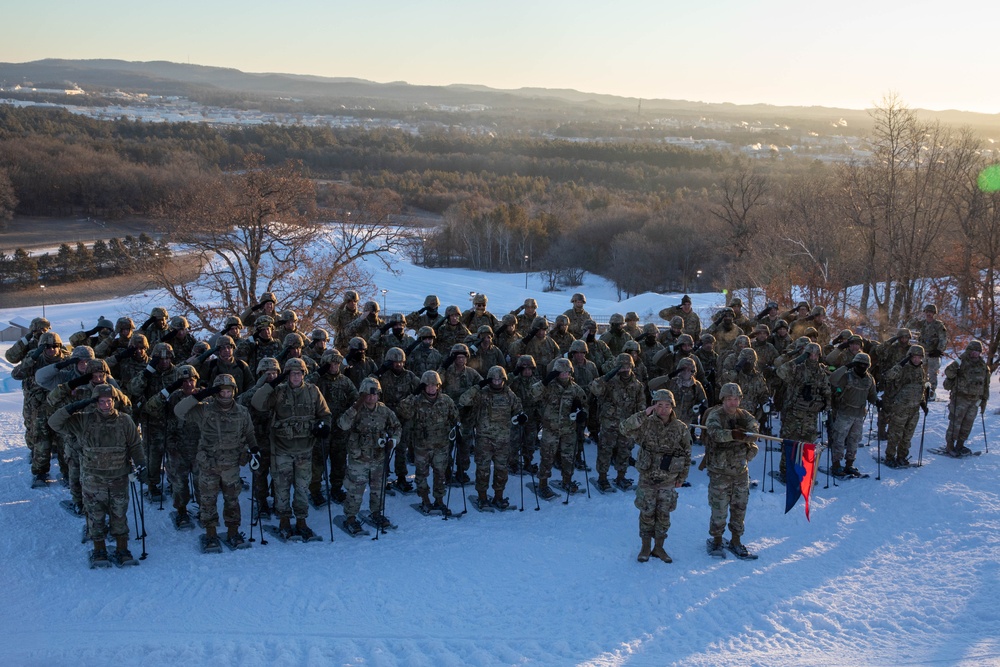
(338, 496)
(603, 485)
(317, 500)
(40, 481)
(237, 541)
(462, 478)
(624, 483)
(182, 521)
(481, 504)
(352, 527)
(210, 545)
(531, 468)
(379, 521)
(441, 507)
(403, 485)
(545, 492)
(740, 551)
(122, 558)
(580, 465)
(307, 534)
(99, 559)
(73, 508)
(500, 503)
(716, 551)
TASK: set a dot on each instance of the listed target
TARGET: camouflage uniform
(256, 347)
(226, 435)
(617, 397)
(485, 355)
(457, 382)
(728, 474)
(968, 380)
(473, 318)
(23, 346)
(556, 402)
(380, 342)
(851, 395)
(237, 368)
(597, 350)
(725, 332)
(615, 337)
(933, 337)
(144, 386)
(578, 316)
(692, 323)
(35, 411)
(426, 316)
(182, 450)
(904, 393)
(448, 334)
(108, 443)
(366, 462)
(526, 435)
(294, 413)
(543, 350)
(423, 358)
(751, 382)
(340, 394)
(261, 430)
(807, 393)
(490, 411)
(339, 319)
(397, 386)
(430, 420)
(505, 338)
(525, 315)
(709, 360)
(560, 334)
(663, 463)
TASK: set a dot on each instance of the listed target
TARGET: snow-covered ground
(902, 570)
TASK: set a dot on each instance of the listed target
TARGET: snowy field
(899, 571)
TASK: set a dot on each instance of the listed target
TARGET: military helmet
(263, 322)
(510, 319)
(631, 316)
(398, 318)
(496, 373)
(780, 324)
(124, 324)
(159, 313)
(431, 377)
(292, 340)
(530, 303)
(371, 306)
(617, 318)
(431, 301)
(286, 316)
(82, 352)
(730, 389)
(771, 305)
(41, 325)
(590, 324)
(903, 333)
(855, 338)
(686, 362)
(331, 357)
(743, 340)
(163, 351)
(625, 360)
(578, 346)
(104, 323)
(188, 372)
(749, 354)
(818, 311)
(357, 343)
(862, 358)
(707, 338)
(178, 322)
(725, 312)
(224, 341)
(975, 346)
(226, 380)
(426, 332)
(268, 297)
(539, 323)
(736, 302)
(562, 321)
(578, 297)
(930, 308)
(650, 329)
(138, 340)
(368, 384)
(811, 332)
(295, 364)
(319, 334)
(98, 366)
(268, 364)
(49, 338)
(202, 346)
(479, 300)
(102, 391)
(916, 351)
(631, 346)
(677, 322)
(762, 328)
(801, 342)
(525, 361)
(459, 348)
(484, 330)
(395, 354)
(685, 299)
(664, 395)
(562, 365)
(812, 348)
(802, 304)
(351, 295)
(685, 339)
(845, 334)
(452, 310)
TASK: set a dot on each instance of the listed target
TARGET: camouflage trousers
(288, 471)
(902, 423)
(399, 458)
(797, 425)
(612, 446)
(655, 498)
(71, 453)
(846, 435)
(463, 453)
(557, 449)
(431, 456)
(493, 450)
(105, 500)
(933, 365)
(361, 474)
(336, 454)
(727, 494)
(962, 412)
(523, 444)
(212, 479)
(180, 464)
(153, 438)
(45, 441)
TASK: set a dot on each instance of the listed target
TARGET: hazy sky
(849, 53)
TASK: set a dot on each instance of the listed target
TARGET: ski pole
(135, 511)
(982, 420)
(521, 455)
(531, 473)
(763, 472)
(453, 452)
(253, 496)
(871, 423)
(461, 481)
(878, 455)
(163, 472)
(326, 478)
(385, 478)
(920, 453)
(586, 477)
(142, 519)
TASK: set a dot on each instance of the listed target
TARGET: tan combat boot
(645, 551)
(660, 552)
(425, 501)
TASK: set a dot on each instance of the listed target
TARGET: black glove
(91, 332)
(844, 345)
(740, 366)
(905, 360)
(739, 434)
(650, 340)
(385, 327)
(205, 393)
(204, 355)
(552, 375)
(278, 380)
(422, 310)
(578, 415)
(175, 385)
(934, 353)
(76, 406)
(420, 389)
(610, 375)
(484, 383)
(145, 325)
(352, 356)
(256, 307)
(140, 473)
(699, 407)
(36, 353)
(383, 368)
(923, 406)
(65, 363)
(674, 373)
(148, 371)
(80, 381)
(801, 359)
(879, 404)
(122, 353)
(412, 346)
(321, 429)
(448, 362)
(519, 418)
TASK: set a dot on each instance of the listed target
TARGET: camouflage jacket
(933, 335)
(397, 387)
(294, 412)
(238, 369)
(490, 410)
(664, 449)
(615, 340)
(904, 386)
(687, 396)
(365, 428)
(576, 320)
(968, 378)
(422, 359)
(108, 444)
(618, 397)
(543, 350)
(692, 323)
(338, 390)
(808, 389)
(430, 420)
(226, 436)
(725, 455)
(251, 350)
(852, 394)
(556, 402)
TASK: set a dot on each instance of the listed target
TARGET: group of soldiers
(306, 410)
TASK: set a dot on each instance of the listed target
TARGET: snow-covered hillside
(902, 570)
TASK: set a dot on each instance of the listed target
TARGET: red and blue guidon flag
(800, 469)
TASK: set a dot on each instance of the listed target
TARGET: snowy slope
(898, 571)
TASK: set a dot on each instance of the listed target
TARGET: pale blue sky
(850, 53)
